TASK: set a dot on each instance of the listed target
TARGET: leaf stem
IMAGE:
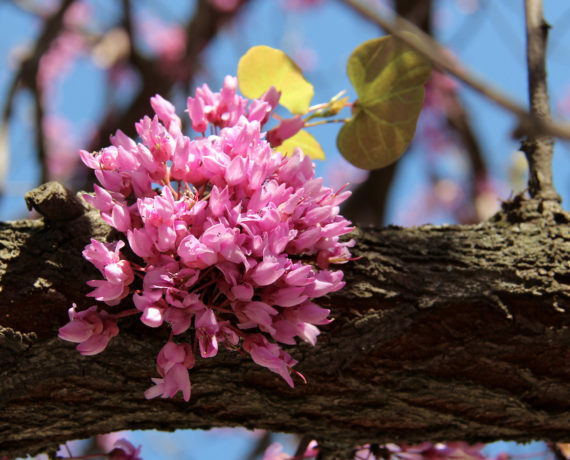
(326, 121)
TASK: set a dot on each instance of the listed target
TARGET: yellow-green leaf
(263, 67)
(388, 77)
(306, 142)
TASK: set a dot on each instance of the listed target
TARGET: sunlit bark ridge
(441, 333)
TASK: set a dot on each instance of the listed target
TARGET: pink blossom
(113, 211)
(297, 170)
(141, 243)
(221, 109)
(225, 5)
(227, 335)
(310, 313)
(117, 272)
(114, 287)
(158, 139)
(91, 329)
(157, 214)
(206, 329)
(124, 450)
(243, 292)
(268, 270)
(274, 452)
(58, 60)
(167, 114)
(300, 4)
(179, 319)
(165, 40)
(102, 254)
(284, 130)
(224, 241)
(229, 237)
(196, 254)
(61, 147)
(260, 109)
(172, 364)
(269, 355)
(150, 303)
(256, 314)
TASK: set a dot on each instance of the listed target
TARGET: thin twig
(430, 49)
(538, 149)
(302, 447)
(26, 77)
(260, 446)
(326, 121)
(41, 141)
(557, 451)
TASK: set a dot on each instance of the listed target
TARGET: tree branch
(200, 30)
(40, 136)
(538, 148)
(441, 333)
(26, 77)
(428, 47)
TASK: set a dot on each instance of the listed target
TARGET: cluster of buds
(232, 240)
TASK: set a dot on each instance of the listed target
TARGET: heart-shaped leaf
(263, 67)
(388, 77)
(306, 142)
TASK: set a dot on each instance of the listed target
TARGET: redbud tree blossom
(224, 240)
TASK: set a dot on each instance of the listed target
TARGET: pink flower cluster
(232, 240)
(65, 49)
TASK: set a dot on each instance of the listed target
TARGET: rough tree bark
(442, 333)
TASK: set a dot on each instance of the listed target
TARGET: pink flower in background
(107, 441)
(166, 40)
(225, 5)
(563, 103)
(124, 450)
(306, 58)
(61, 146)
(78, 14)
(59, 59)
(274, 452)
(301, 4)
(440, 103)
(65, 49)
